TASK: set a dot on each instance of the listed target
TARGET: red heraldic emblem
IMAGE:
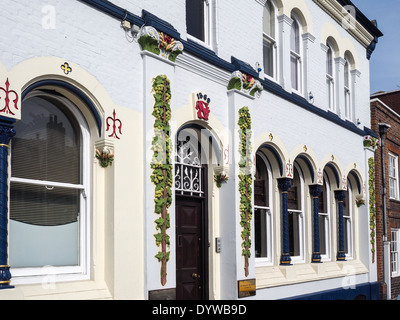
(202, 106)
(9, 93)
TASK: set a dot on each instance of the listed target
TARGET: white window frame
(330, 78)
(348, 220)
(69, 273)
(268, 261)
(208, 33)
(298, 57)
(274, 42)
(327, 256)
(393, 160)
(347, 91)
(395, 252)
(301, 228)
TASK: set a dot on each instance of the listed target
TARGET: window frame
(301, 217)
(330, 78)
(207, 26)
(327, 226)
(269, 260)
(349, 113)
(394, 178)
(83, 270)
(296, 56)
(395, 252)
(348, 223)
(273, 41)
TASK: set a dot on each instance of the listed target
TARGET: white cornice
(346, 20)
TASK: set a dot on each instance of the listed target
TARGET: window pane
(346, 75)
(269, 19)
(261, 233)
(329, 62)
(268, 57)
(294, 193)
(323, 221)
(295, 37)
(294, 234)
(295, 72)
(44, 226)
(347, 235)
(261, 184)
(47, 144)
(195, 18)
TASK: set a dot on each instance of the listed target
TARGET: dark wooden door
(191, 261)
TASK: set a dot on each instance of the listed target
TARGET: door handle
(196, 276)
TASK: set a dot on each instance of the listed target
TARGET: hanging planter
(105, 157)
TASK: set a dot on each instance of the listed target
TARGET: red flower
(248, 78)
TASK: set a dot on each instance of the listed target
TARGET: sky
(385, 62)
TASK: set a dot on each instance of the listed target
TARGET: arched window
(49, 193)
(324, 220)
(269, 40)
(347, 89)
(330, 77)
(263, 209)
(348, 222)
(295, 54)
(296, 216)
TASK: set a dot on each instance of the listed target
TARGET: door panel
(189, 251)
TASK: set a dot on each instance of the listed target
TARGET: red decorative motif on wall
(116, 126)
(9, 93)
(202, 106)
(289, 170)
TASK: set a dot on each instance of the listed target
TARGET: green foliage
(162, 168)
(372, 202)
(149, 44)
(245, 183)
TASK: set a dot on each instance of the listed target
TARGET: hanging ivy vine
(162, 169)
(372, 206)
(245, 183)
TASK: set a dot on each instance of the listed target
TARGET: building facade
(385, 111)
(186, 150)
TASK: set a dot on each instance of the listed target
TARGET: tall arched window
(263, 210)
(295, 54)
(49, 188)
(347, 89)
(330, 77)
(348, 222)
(296, 216)
(324, 220)
(269, 40)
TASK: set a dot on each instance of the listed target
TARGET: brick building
(385, 108)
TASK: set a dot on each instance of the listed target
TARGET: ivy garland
(372, 201)
(162, 169)
(245, 183)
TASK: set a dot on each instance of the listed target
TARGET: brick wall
(379, 113)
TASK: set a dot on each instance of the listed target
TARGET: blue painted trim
(332, 167)
(161, 25)
(210, 56)
(72, 89)
(7, 132)
(276, 154)
(357, 181)
(309, 165)
(368, 290)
